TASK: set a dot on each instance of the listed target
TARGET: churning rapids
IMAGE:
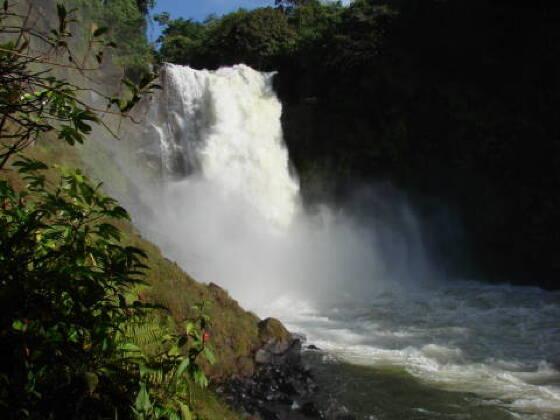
(358, 284)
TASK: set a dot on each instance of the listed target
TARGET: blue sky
(199, 9)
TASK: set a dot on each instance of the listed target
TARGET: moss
(233, 331)
(272, 329)
(208, 406)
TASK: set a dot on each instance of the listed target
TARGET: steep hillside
(233, 332)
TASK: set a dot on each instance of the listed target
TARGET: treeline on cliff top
(450, 99)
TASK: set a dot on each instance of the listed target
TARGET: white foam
(493, 341)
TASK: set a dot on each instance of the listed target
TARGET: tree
(181, 38)
(33, 101)
(256, 38)
(70, 319)
(65, 277)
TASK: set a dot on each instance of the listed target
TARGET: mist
(210, 182)
(226, 204)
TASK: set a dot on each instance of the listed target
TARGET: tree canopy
(258, 36)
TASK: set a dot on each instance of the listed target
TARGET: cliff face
(490, 160)
(466, 119)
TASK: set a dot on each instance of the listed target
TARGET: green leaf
(185, 411)
(73, 336)
(209, 355)
(200, 378)
(19, 325)
(108, 231)
(26, 165)
(118, 213)
(130, 348)
(174, 351)
(189, 327)
(143, 403)
(182, 367)
(70, 135)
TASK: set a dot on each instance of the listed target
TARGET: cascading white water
(225, 126)
(229, 213)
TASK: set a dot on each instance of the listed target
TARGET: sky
(199, 9)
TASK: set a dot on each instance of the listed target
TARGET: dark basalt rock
(281, 388)
(310, 410)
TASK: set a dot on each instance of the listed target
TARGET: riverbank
(283, 387)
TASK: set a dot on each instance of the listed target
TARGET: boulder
(271, 329)
(263, 357)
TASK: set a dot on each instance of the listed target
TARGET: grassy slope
(233, 331)
(234, 335)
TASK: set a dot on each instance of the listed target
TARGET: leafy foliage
(127, 24)
(69, 320)
(181, 38)
(165, 380)
(64, 277)
(68, 284)
(260, 36)
(32, 100)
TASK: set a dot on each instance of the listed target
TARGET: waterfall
(225, 126)
(358, 283)
(229, 210)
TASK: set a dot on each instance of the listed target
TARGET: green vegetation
(260, 36)
(84, 323)
(73, 326)
(126, 24)
(233, 333)
(447, 99)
